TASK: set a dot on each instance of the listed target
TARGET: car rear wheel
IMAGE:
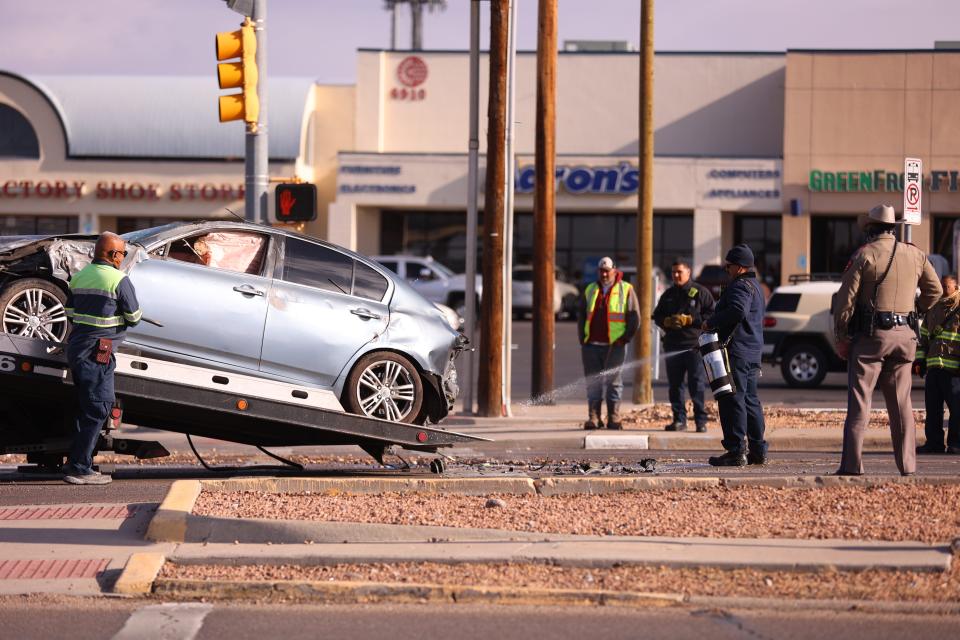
(385, 385)
(34, 308)
(804, 365)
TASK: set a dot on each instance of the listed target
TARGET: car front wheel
(804, 365)
(385, 385)
(34, 308)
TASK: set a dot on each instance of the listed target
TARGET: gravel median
(893, 512)
(658, 415)
(876, 585)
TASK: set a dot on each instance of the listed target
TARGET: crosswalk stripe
(168, 621)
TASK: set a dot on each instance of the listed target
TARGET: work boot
(676, 426)
(593, 421)
(930, 447)
(613, 416)
(756, 458)
(701, 428)
(729, 459)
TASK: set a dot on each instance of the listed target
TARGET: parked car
(250, 298)
(663, 281)
(713, 277)
(432, 279)
(798, 332)
(564, 293)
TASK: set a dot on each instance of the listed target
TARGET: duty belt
(889, 320)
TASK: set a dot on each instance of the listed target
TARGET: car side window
(367, 283)
(238, 251)
(390, 264)
(420, 272)
(317, 266)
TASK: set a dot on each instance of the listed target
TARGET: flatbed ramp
(37, 406)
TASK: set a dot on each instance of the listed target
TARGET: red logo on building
(412, 71)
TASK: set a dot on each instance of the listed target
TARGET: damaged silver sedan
(261, 300)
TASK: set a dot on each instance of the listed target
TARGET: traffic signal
(242, 44)
(296, 202)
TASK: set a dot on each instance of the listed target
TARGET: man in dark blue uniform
(101, 304)
(738, 320)
(680, 312)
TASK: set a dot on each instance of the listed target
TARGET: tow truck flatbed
(37, 407)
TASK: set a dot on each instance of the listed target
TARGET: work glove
(920, 368)
(671, 322)
(684, 319)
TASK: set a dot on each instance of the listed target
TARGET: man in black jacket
(738, 320)
(680, 312)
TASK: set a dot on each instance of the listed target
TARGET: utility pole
(257, 161)
(473, 153)
(544, 215)
(642, 381)
(490, 400)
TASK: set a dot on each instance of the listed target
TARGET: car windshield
(442, 268)
(140, 235)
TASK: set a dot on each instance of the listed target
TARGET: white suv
(798, 332)
(432, 279)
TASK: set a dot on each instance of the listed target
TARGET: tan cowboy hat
(880, 214)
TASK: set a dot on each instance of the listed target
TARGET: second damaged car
(257, 300)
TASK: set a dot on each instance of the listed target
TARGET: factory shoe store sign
(411, 74)
(131, 191)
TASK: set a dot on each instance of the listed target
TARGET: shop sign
(135, 191)
(411, 73)
(374, 170)
(880, 180)
(624, 179)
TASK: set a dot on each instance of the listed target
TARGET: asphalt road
(568, 373)
(122, 620)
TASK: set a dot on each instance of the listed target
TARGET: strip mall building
(777, 150)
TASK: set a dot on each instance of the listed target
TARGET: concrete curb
(169, 523)
(543, 486)
(375, 592)
(378, 592)
(139, 574)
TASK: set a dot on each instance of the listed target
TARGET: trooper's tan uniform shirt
(897, 293)
(884, 359)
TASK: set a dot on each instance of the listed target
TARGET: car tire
(34, 308)
(385, 385)
(804, 365)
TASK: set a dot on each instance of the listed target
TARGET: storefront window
(763, 235)
(37, 225)
(128, 224)
(834, 239)
(581, 238)
(942, 240)
(17, 137)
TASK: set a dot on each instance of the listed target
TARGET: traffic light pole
(256, 163)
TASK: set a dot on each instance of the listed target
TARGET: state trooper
(680, 312)
(875, 323)
(101, 304)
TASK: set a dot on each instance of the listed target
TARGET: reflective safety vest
(616, 309)
(93, 292)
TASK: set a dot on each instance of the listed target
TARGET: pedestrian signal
(296, 202)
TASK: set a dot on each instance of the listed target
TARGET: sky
(317, 38)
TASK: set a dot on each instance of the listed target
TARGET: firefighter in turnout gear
(875, 321)
(680, 312)
(101, 304)
(938, 359)
(607, 319)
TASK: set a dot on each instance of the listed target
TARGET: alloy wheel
(35, 313)
(804, 366)
(386, 390)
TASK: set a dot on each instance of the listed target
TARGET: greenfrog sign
(879, 180)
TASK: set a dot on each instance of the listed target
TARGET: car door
(322, 309)
(213, 311)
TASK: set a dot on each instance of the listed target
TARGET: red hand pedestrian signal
(295, 202)
(286, 202)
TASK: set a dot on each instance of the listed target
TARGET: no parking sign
(912, 190)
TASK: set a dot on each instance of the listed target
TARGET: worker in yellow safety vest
(607, 319)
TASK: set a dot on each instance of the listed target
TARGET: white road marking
(169, 621)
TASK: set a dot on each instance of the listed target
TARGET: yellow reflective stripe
(69, 311)
(924, 331)
(94, 292)
(97, 321)
(943, 363)
(953, 336)
(133, 317)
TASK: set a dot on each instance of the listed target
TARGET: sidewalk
(560, 427)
